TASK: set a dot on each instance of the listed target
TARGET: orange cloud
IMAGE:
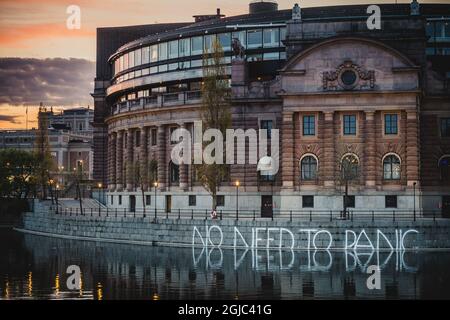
(18, 35)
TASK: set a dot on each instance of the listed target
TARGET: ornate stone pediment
(348, 76)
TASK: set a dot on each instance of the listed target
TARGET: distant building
(70, 141)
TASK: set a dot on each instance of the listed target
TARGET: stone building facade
(335, 90)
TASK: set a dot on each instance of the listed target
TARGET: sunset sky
(43, 61)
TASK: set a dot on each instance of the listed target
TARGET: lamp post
(155, 184)
(99, 185)
(237, 183)
(414, 195)
(56, 198)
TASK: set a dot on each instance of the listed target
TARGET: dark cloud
(58, 82)
(10, 119)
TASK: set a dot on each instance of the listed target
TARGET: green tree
(215, 114)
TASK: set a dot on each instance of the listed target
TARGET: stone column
(412, 148)
(130, 160)
(329, 152)
(287, 150)
(183, 169)
(370, 152)
(119, 161)
(162, 157)
(112, 161)
(144, 158)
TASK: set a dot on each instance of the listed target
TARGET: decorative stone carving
(296, 13)
(238, 49)
(348, 76)
(415, 8)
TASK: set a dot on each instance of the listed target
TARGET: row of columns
(328, 134)
(124, 154)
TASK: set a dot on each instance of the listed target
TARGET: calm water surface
(34, 267)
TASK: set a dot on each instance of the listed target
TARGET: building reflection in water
(117, 271)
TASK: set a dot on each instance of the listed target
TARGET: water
(34, 267)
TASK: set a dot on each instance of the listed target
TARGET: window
(192, 201)
(390, 201)
(349, 124)
(137, 57)
(153, 133)
(220, 200)
(208, 43)
(173, 49)
(131, 59)
(266, 177)
(268, 125)
(444, 166)
(197, 45)
(254, 38)
(154, 53)
(309, 168)
(350, 201)
(174, 173)
(185, 47)
(112, 199)
(271, 56)
(390, 124)
(240, 35)
(148, 200)
(271, 38)
(120, 200)
(225, 40)
(349, 167)
(163, 51)
(145, 55)
(308, 201)
(309, 125)
(137, 138)
(445, 127)
(391, 165)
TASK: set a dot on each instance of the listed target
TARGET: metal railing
(256, 215)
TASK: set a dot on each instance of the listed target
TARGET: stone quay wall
(242, 234)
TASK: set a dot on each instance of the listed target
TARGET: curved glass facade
(263, 43)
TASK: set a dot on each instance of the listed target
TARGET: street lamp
(155, 184)
(237, 183)
(56, 198)
(99, 185)
(414, 192)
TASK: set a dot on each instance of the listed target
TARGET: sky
(41, 60)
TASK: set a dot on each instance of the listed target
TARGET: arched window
(391, 167)
(308, 167)
(444, 167)
(349, 167)
(174, 171)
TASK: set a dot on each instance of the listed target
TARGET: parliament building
(334, 89)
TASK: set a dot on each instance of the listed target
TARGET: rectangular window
(208, 43)
(145, 55)
(192, 201)
(271, 38)
(163, 51)
(173, 66)
(120, 200)
(162, 68)
(197, 45)
(268, 125)
(350, 125)
(137, 57)
(445, 127)
(131, 59)
(220, 200)
(173, 49)
(185, 47)
(308, 201)
(121, 63)
(390, 124)
(225, 41)
(309, 125)
(254, 39)
(154, 53)
(148, 200)
(241, 36)
(350, 200)
(154, 132)
(271, 56)
(391, 201)
(125, 61)
(112, 199)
